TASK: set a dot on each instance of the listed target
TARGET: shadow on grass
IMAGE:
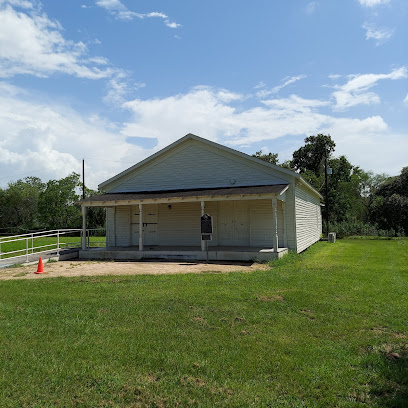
(391, 387)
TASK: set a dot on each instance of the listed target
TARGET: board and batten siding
(261, 224)
(290, 217)
(122, 226)
(110, 227)
(179, 224)
(308, 218)
(235, 223)
(196, 165)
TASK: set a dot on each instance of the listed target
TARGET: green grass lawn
(65, 242)
(325, 329)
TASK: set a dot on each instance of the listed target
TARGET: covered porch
(250, 223)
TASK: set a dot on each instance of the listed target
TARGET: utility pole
(83, 179)
(327, 192)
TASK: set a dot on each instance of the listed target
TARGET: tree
(58, 203)
(311, 156)
(96, 216)
(347, 185)
(270, 157)
(389, 205)
(19, 203)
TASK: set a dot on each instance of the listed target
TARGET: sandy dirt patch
(98, 268)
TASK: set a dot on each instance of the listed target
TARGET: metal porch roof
(275, 189)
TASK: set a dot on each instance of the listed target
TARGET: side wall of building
(290, 212)
(308, 218)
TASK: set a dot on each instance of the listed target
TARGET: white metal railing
(30, 238)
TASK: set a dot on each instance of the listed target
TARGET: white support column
(140, 227)
(285, 232)
(275, 225)
(114, 226)
(83, 228)
(203, 243)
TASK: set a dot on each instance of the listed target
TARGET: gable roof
(191, 136)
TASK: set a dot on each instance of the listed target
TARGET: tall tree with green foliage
(19, 203)
(58, 203)
(350, 188)
(310, 157)
(269, 158)
(389, 208)
(95, 216)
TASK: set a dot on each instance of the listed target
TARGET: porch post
(275, 225)
(140, 227)
(285, 233)
(83, 240)
(203, 243)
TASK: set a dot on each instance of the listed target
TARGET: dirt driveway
(94, 268)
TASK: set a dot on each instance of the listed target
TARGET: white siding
(250, 223)
(122, 224)
(110, 227)
(291, 217)
(150, 220)
(180, 224)
(308, 218)
(211, 207)
(261, 221)
(233, 223)
(196, 165)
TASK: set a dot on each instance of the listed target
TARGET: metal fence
(26, 245)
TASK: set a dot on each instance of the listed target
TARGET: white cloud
(286, 81)
(295, 103)
(260, 85)
(54, 138)
(406, 99)
(37, 47)
(25, 4)
(201, 112)
(119, 11)
(50, 141)
(120, 87)
(355, 91)
(380, 35)
(373, 3)
(172, 24)
(311, 7)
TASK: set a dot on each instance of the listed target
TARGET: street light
(327, 171)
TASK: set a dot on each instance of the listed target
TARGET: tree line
(30, 204)
(359, 202)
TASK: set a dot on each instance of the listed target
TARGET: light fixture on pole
(327, 171)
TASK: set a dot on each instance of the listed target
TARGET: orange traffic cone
(40, 268)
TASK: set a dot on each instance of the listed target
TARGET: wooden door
(149, 224)
(233, 222)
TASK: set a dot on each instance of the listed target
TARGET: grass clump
(327, 328)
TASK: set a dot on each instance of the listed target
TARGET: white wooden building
(153, 209)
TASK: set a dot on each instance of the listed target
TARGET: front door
(149, 224)
(233, 223)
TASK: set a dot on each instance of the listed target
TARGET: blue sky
(113, 81)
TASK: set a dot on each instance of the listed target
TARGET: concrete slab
(184, 253)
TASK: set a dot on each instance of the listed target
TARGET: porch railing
(43, 242)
